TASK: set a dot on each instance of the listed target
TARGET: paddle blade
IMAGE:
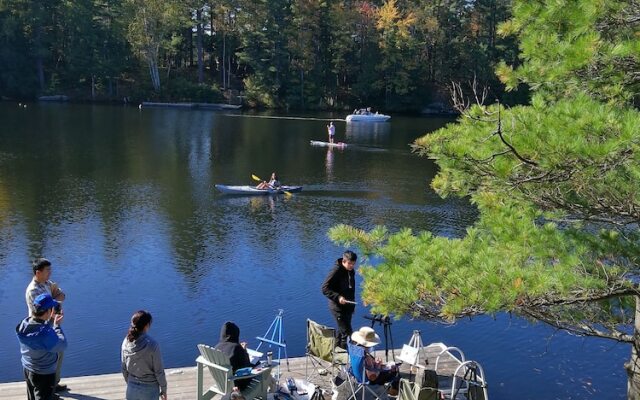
(255, 178)
(287, 193)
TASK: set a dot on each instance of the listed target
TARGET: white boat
(251, 190)
(364, 115)
(327, 144)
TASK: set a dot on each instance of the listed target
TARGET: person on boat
(273, 183)
(42, 284)
(230, 345)
(141, 361)
(332, 131)
(340, 288)
(377, 372)
(41, 340)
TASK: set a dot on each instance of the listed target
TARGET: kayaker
(273, 183)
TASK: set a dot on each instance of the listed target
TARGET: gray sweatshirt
(142, 362)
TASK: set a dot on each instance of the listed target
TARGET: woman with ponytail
(141, 361)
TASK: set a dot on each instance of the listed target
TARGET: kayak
(327, 144)
(246, 189)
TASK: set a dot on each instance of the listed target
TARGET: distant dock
(196, 106)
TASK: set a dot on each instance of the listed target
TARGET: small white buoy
(24, 105)
(140, 107)
(19, 104)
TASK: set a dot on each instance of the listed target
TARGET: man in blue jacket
(40, 342)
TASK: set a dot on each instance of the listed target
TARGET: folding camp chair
(467, 381)
(413, 391)
(358, 381)
(321, 352)
(220, 369)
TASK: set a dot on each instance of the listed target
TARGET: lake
(122, 201)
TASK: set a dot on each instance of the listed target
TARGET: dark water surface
(122, 201)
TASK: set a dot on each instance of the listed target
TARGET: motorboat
(365, 115)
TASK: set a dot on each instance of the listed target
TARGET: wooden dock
(182, 382)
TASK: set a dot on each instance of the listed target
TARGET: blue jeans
(142, 391)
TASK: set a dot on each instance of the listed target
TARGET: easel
(413, 352)
(386, 323)
(275, 336)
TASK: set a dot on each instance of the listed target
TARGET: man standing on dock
(41, 284)
(340, 288)
(41, 340)
(332, 131)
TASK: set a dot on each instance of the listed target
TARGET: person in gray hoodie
(40, 343)
(142, 366)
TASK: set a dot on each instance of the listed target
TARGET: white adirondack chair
(220, 369)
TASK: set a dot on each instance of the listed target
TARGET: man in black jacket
(340, 289)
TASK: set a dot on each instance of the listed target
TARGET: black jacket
(229, 344)
(340, 282)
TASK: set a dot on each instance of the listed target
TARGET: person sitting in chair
(377, 372)
(273, 183)
(230, 345)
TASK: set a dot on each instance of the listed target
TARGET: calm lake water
(122, 201)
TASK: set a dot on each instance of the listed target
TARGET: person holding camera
(41, 340)
(340, 288)
(41, 284)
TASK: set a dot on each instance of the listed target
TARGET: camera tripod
(385, 322)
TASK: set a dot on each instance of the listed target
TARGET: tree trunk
(633, 366)
(224, 55)
(39, 61)
(199, 44)
(212, 50)
(155, 74)
(302, 87)
(229, 70)
(190, 46)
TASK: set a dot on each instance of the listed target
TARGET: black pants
(343, 320)
(39, 387)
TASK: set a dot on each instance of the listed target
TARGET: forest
(394, 55)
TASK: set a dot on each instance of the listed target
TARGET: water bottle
(291, 385)
(269, 357)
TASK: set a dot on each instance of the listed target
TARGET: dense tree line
(392, 54)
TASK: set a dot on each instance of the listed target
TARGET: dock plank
(182, 382)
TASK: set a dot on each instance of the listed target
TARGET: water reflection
(368, 132)
(328, 164)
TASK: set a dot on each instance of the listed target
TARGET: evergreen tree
(556, 185)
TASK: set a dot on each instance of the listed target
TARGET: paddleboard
(327, 144)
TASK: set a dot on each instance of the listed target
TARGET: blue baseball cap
(44, 302)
